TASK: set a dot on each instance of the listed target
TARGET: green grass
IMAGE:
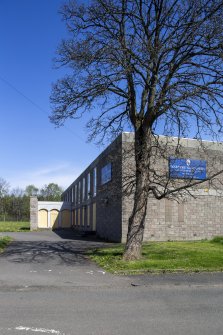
(4, 241)
(9, 226)
(164, 257)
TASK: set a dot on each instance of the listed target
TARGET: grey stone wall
(194, 217)
(33, 213)
(109, 201)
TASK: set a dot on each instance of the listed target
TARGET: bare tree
(4, 190)
(4, 187)
(152, 66)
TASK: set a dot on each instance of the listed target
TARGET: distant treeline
(15, 204)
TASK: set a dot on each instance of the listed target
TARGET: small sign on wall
(185, 168)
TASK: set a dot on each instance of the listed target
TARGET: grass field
(9, 226)
(4, 241)
(165, 257)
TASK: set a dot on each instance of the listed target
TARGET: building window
(75, 194)
(79, 192)
(79, 217)
(70, 195)
(83, 216)
(106, 173)
(83, 189)
(76, 217)
(95, 181)
(88, 185)
(88, 215)
(72, 199)
(73, 218)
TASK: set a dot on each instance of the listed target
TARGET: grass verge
(4, 241)
(10, 226)
(164, 257)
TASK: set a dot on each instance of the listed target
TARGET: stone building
(96, 202)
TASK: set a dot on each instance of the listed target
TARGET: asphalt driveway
(48, 286)
(51, 259)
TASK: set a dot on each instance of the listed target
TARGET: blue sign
(187, 168)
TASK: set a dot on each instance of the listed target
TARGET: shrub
(217, 239)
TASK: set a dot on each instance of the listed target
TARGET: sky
(32, 150)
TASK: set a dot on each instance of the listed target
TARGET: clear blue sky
(32, 150)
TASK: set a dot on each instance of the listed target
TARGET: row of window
(82, 216)
(77, 193)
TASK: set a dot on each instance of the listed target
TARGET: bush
(4, 241)
(217, 239)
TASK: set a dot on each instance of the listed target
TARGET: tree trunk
(137, 219)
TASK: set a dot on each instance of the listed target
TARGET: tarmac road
(48, 286)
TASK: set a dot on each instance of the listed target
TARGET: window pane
(79, 192)
(75, 194)
(94, 181)
(83, 189)
(106, 173)
(88, 185)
